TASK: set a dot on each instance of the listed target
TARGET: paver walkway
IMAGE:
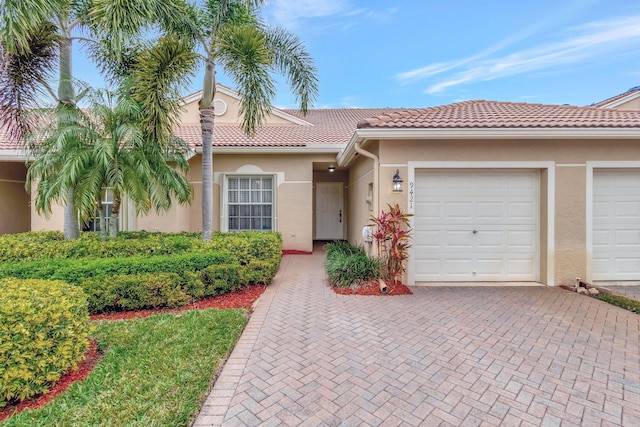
(512, 356)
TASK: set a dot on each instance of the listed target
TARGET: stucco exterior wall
(570, 157)
(360, 178)
(633, 104)
(191, 114)
(294, 195)
(15, 214)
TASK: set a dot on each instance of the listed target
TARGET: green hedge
(44, 329)
(74, 271)
(186, 269)
(32, 246)
(135, 292)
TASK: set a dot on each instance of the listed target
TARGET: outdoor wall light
(397, 182)
(332, 168)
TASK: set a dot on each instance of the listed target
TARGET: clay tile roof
(329, 126)
(493, 114)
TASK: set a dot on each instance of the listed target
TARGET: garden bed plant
(352, 272)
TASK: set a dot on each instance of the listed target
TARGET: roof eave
(308, 149)
(13, 155)
(366, 134)
(621, 100)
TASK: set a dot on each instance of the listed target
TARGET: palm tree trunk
(206, 125)
(66, 94)
(71, 227)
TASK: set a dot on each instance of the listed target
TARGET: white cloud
(289, 12)
(292, 13)
(593, 41)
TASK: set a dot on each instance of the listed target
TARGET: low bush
(44, 327)
(74, 271)
(130, 271)
(32, 246)
(221, 279)
(135, 292)
(349, 266)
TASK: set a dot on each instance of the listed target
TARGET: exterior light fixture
(397, 182)
(332, 168)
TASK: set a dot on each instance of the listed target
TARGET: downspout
(376, 167)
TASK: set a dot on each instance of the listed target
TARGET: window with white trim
(93, 223)
(250, 203)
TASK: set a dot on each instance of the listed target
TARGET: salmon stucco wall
(15, 214)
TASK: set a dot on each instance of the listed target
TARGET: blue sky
(422, 53)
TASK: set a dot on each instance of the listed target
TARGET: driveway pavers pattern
(508, 356)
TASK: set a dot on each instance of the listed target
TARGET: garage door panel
(616, 225)
(502, 206)
(526, 211)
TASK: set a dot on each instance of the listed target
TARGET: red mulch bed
(373, 289)
(240, 299)
(243, 298)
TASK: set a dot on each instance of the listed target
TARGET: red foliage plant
(392, 238)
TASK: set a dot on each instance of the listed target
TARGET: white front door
(616, 225)
(329, 211)
(476, 225)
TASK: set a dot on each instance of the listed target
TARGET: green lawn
(154, 372)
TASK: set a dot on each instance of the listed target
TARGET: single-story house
(499, 191)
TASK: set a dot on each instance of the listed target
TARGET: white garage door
(616, 225)
(476, 225)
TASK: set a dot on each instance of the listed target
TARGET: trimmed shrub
(221, 279)
(74, 271)
(349, 266)
(259, 272)
(44, 328)
(135, 292)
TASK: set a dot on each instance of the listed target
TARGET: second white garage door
(616, 224)
(476, 225)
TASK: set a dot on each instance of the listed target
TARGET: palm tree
(123, 145)
(37, 35)
(233, 38)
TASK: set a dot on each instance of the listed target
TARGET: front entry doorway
(330, 211)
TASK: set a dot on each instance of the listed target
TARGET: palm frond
(157, 78)
(23, 74)
(21, 19)
(290, 57)
(243, 52)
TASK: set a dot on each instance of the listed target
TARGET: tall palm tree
(124, 143)
(37, 35)
(233, 38)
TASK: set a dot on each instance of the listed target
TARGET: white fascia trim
(500, 133)
(13, 155)
(589, 199)
(362, 135)
(622, 100)
(319, 149)
(551, 206)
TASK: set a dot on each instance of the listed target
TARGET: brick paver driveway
(525, 356)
